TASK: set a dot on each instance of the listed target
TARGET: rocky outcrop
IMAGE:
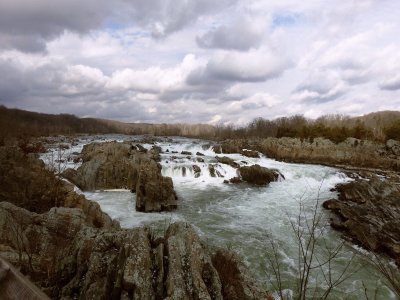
(258, 175)
(30, 185)
(351, 152)
(121, 165)
(235, 279)
(154, 192)
(214, 172)
(107, 166)
(368, 211)
(196, 171)
(228, 161)
(70, 259)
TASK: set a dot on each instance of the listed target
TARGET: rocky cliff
(368, 211)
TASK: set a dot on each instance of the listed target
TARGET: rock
(368, 211)
(141, 148)
(107, 166)
(258, 175)
(197, 171)
(237, 282)
(235, 180)
(213, 171)
(199, 154)
(250, 153)
(228, 161)
(117, 165)
(191, 274)
(155, 152)
(154, 192)
(393, 146)
(199, 159)
(69, 259)
(186, 153)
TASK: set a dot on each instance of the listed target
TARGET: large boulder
(107, 166)
(121, 165)
(368, 211)
(258, 175)
(154, 192)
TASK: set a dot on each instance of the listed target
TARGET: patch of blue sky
(287, 20)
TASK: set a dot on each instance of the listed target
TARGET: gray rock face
(154, 192)
(228, 161)
(119, 165)
(70, 259)
(107, 166)
(351, 152)
(237, 284)
(369, 213)
(258, 175)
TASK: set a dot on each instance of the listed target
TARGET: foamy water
(242, 217)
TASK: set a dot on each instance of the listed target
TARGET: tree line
(378, 126)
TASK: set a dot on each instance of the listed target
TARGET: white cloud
(200, 61)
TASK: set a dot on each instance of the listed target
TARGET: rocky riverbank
(352, 152)
(71, 249)
(368, 212)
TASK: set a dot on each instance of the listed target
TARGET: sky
(200, 61)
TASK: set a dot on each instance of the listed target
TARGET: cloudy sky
(209, 61)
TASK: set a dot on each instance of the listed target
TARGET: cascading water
(243, 217)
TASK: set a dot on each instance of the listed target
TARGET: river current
(246, 218)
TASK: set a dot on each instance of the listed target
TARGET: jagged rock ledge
(368, 212)
(68, 258)
(125, 165)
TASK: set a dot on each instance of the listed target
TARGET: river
(248, 218)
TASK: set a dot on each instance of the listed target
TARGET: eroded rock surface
(368, 211)
(122, 165)
(258, 175)
(70, 259)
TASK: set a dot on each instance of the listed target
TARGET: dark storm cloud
(26, 25)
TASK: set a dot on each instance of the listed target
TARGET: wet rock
(199, 159)
(234, 180)
(154, 192)
(250, 153)
(228, 161)
(186, 153)
(368, 211)
(199, 154)
(237, 282)
(197, 171)
(214, 172)
(258, 175)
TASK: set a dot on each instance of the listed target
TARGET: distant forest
(379, 126)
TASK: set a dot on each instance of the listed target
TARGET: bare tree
(315, 258)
